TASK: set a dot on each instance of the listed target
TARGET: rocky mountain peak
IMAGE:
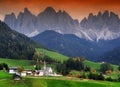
(91, 15)
(59, 11)
(49, 10)
(104, 25)
(10, 19)
(13, 15)
(99, 14)
(106, 13)
(26, 11)
(113, 15)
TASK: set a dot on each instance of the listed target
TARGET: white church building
(46, 71)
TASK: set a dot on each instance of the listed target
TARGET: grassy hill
(96, 65)
(60, 57)
(54, 55)
(14, 62)
(29, 63)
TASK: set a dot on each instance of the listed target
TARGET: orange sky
(78, 9)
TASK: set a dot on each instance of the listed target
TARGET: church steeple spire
(44, 67)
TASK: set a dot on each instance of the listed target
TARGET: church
(46, 71)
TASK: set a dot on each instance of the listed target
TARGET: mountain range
(103, 26)
(96, 37)
(49, 19)
(72, 46)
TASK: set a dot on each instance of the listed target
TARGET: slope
(54, 55)
(112, 56)
(15, 45)
(14, 62)
(71, 45)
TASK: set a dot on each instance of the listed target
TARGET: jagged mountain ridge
(49, 19)
(104, 25)
(24, 23)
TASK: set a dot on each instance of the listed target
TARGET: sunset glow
(78, 9)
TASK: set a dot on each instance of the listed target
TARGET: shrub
(106, 67)
(109, 79)
(96, 76)
(4, 66)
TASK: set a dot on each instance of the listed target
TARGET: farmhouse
(26, 72)
(46, 71)
(13, 70)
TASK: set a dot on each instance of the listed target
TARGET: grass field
(52, 54)
(27, 64)
(5, 78)
(4, 75)
(54, 82)
(96, 65)
(14, 62)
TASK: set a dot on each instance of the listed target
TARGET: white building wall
(41, 73)
(12, 72)
(23, 74)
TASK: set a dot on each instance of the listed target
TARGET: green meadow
(54, 55)
(54, 82)
(13, 62)
(96, 65)
(6, 79)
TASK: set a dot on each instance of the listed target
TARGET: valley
(50, 48)
(48, 81)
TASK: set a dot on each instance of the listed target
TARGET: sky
(78, 9)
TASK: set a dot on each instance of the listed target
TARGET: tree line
(71, 64)
(75, 66)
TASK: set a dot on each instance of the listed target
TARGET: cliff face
(104, 25)
(49, 19)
